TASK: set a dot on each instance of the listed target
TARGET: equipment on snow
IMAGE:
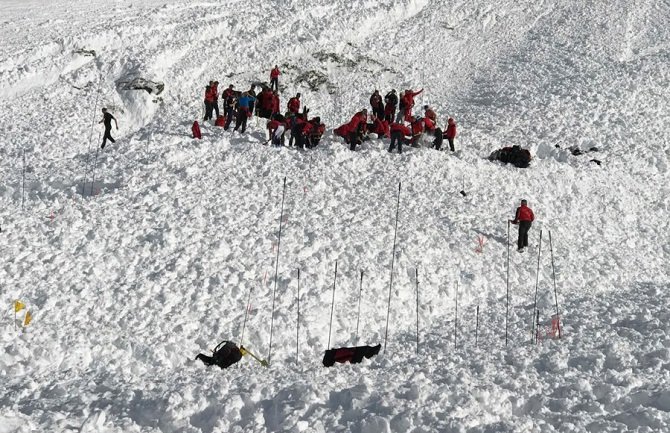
(195, 129)
(353, 355)
(244, 351)
(514, 155)
(537, 280)
(224, 355)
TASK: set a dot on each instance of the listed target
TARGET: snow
(154, 262)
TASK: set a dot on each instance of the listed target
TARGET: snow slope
(128, 284)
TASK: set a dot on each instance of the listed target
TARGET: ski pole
(507, 295)
(244, 351)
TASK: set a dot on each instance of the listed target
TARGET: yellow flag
(18, 306)
(27, 319)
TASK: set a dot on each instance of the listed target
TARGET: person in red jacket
(214, 89)
(450, 133)
(399, 134)
(294, 104)
(408, 99)
(524, 218)
(417, 130)
(275, 102)
(357, 128)
(208, 101)
(274, 78)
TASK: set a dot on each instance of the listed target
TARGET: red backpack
(195, 129)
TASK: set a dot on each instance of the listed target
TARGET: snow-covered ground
(127, 285)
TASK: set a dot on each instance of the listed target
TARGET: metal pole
(507, 296)
(456, 319)
(358, 317)
(90, 137)
(537, 280)
(246, 315)
(274, 291)
(23, 180)
(553, 271)
(395, 235)
(416, 271)
(332, 307)
(95, 167)
(477, 328)
(297, 328)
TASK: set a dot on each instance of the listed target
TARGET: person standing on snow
(243, 112)
(214, 91)
(274, 78)
(293, 104)
(408, 99)
(377, 105)
(107, 119)
(450, 133)
(524, 218)
(399, 134)
(391, 101)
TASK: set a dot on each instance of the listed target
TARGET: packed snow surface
(151, 261)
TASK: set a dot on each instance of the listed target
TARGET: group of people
(402, 128)
(390, 117)
(240, 106)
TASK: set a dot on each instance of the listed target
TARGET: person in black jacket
(107, 119)
(391, 101)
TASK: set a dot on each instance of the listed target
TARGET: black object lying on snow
(514, 155)
(576, 151)
(353, 355)
(225, 354)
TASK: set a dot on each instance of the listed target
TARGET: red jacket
(380, 127)
(375, 100)
(215, 91)
(274, 73)
(399, 127)
(265, 100)
(228, 93)
(430, 114)
(451, 129)
(210, 96)
(524, 213)
(417, 127)
(220, 121)
(430, 125)
(293, 105)
(409, 98)
(275, 104)
(359, 118)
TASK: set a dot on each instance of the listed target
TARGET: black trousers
(378, 111)
(437, 143)
(208, 110)
(229, 116)
(215, 107)
(274, 83)
(399, 138)
(107, 136)
(241, 119)
(451, 144)
(524, 226)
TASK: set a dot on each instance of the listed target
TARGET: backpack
(195, 129)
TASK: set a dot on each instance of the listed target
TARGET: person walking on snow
(391, 101)
(524, 218)
(107, 119)
(274, 78)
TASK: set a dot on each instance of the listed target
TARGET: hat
(231, 86)
(297, 95)
(523, 201)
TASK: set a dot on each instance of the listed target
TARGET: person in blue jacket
(243, 111)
